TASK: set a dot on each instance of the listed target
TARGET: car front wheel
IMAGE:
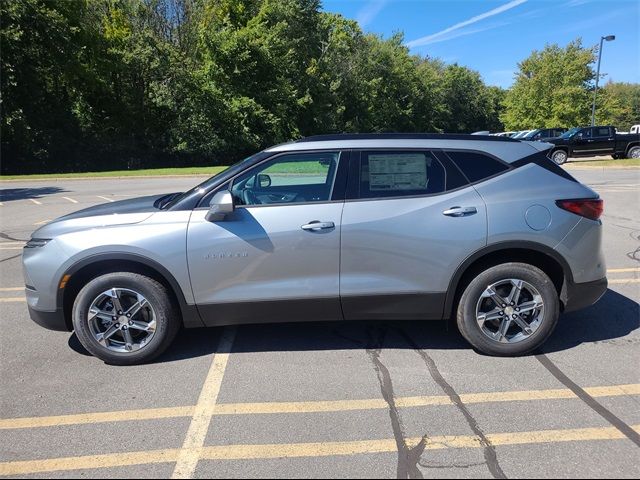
(125, 318)
(508, 310)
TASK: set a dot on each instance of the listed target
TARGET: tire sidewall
(466, 313)
(632, 149)
(167, 323)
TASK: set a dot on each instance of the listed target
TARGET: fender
(496, 247)
(190, 316)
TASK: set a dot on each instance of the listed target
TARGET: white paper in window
(407, 171)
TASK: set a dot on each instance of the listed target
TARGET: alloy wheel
(122, 320)
(510, 311)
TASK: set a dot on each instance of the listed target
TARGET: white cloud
(436, 37)
(370, 11)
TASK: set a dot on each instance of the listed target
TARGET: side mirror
(221, 204)
(264, 180)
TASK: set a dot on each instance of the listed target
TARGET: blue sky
(493, 36)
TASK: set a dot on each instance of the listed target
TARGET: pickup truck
(592, 141)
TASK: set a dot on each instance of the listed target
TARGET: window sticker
(398, 171)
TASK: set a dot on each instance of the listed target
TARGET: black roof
(403, 136)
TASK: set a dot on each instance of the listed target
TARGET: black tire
(466, 311)
(167, 317)
(559, 156)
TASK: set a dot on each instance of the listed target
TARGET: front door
(276, 257)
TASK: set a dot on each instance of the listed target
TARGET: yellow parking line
(13, 299)
(35, 201)
(296, 450)
(10, 248)
(624, 280)
(197, 433)
(11, 289)
(70, 199)
(312, 407)
(621, 270)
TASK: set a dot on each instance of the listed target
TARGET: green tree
(618, 104)
(552, 88)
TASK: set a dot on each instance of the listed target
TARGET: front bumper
(51, 320)
(581, 295)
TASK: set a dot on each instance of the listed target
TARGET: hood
(123, 212)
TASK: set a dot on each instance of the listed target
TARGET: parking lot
(361, 399)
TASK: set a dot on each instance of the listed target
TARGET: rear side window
(398, 174)
(476, 166)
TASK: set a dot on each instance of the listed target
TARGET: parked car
(541, 134)
(484, 229)
(590, 141)
(505, 134)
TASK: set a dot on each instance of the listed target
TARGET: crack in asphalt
(407, 457)
(488, 449)
(10, 258)
(9, 237)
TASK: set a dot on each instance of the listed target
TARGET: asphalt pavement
(361, 399)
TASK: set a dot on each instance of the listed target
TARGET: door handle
(318, 225)
(460, 211)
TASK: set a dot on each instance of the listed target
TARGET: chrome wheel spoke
(497, 299)
(128, 340)
(101, 314)
(108, 333)
(145, 327)
(529, 306)
(494, 314)
(514, 295)
(115, 299)
(135, 308)
(502, 331)
(524, 326)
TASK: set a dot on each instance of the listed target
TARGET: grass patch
(625, 162)
(150, 172)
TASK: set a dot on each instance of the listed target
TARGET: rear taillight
(586, 207)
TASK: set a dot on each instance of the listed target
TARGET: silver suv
(484, 229)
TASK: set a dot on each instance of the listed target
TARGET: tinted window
(601, 132)
(291, 178)
(397, 174)
(476, 166)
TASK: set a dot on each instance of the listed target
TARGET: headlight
(37, 242)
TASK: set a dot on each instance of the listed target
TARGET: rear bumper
(581, 295)
(50, 320)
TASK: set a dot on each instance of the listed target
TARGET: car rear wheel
(508, 310)
(125, 318)
(634, 152)
(559, 156)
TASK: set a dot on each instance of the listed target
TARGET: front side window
(293, 178)
(398, 174)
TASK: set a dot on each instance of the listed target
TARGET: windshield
(531, 134)
(521, 134)
(571, 132)
(235, 168)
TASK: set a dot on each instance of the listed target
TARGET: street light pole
(608, 38)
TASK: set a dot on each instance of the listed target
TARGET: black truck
(592, 141)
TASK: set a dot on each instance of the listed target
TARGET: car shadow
(12, 194)
(612, 318)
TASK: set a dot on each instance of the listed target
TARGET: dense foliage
(110, 84)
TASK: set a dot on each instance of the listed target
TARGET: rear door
(409, 220)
